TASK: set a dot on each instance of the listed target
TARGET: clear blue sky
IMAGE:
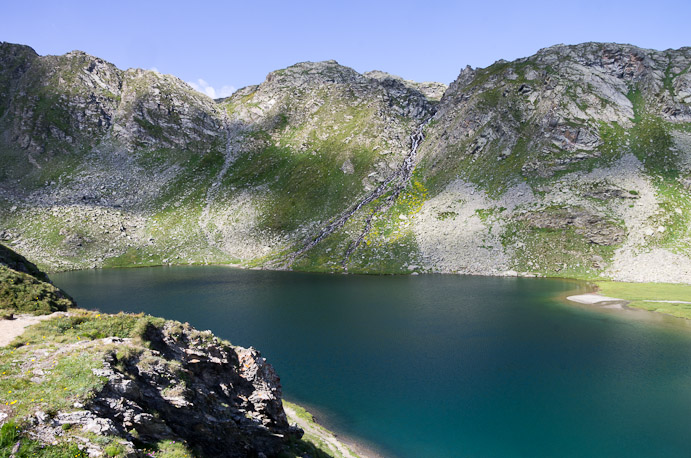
(231, 43)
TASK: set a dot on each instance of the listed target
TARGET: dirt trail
(9, 329)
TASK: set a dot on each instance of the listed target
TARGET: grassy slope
(11, 437)
(25, 289)
(22, 293)
(639, 295)
(62, 349)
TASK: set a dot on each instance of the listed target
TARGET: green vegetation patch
(12, 438)
(84, 325)
(650, 139)
(168, 449)
(48, 379)
(674, 217)
(49, 367)
(558, 252)
(23, 293)
(390, 244)
(17, 262)
(652, 143)
(327, 255)
(388, 256)
(643, 295)
(306, 186)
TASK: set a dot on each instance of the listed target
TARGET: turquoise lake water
(433, 365)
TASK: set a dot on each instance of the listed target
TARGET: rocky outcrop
(166, 383)
(549, 108)
(221, 400)
(60, 104)
(594, 228)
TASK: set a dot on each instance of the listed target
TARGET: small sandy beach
(621, 306)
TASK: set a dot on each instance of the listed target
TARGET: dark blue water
(436, 365)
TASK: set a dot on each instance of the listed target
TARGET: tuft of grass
(113, 450)
(169, 449)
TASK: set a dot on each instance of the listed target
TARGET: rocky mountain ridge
(572, 162)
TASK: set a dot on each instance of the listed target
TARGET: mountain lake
(438, 365)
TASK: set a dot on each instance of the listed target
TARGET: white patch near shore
(592, 298)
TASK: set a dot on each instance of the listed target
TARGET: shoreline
(344, 446)
(241, 266)
(358, 446)
(593, 301)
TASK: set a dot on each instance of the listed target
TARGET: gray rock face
(553, 102)
(595, 228)
(432, 90)
(58, 104)
(177, 384)
(223, 400)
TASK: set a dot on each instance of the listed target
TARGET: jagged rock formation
(150, 384)
(573, 162)
(595, 129)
